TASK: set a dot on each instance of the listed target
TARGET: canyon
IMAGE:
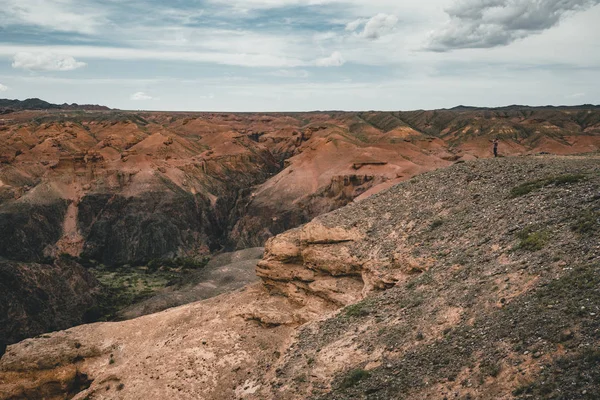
(82, 189)
(479, 280)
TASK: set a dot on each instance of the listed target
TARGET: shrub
(436, 224)
(353, 377)
(586, 223)
(531, 240)
(530, 186)
(361, 309)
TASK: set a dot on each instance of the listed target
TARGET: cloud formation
(334, 60)
(491, 23)
(375, 27)
(291, 73)
(45, 62)
(3, 88)
(81, 16)
(138, 96)
(354, 25)
(379, 25)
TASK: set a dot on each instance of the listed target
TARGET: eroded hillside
(113, 189)
(475, 281)
(127, 188)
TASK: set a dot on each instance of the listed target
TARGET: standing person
(496, 147)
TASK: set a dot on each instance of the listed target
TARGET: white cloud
(334, 60)
(45, 62)
(119, 53)
(291, 73)
(3, 88)
(492, 23)
(79, 16)
(378, 26)
(141, 96)
(353, 26)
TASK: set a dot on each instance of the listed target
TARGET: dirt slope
(475, 281)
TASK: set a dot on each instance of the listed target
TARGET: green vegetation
(126, 285)
(587, 223)
(532, 240)
(185, 263)
(353, 377)
(530, 186)
(490, 368)
(361, 309)
(436, 224)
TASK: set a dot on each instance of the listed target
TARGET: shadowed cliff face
(27, 230)
(139, 229)
(38, 298)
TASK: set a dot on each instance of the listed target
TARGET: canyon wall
(127, 188)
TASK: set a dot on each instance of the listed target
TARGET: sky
(301, 55)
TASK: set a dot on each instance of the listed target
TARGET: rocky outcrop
(40, 298)
(319, 268)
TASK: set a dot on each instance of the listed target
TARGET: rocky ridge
(476, 281)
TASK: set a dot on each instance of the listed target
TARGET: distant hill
(518, 107)
(7, 106)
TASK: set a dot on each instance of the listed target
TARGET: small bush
(361, 309)
(436, 224)
(587, 222)
(530, 186)
(353, 377)
(490, 369)
(531, 240)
